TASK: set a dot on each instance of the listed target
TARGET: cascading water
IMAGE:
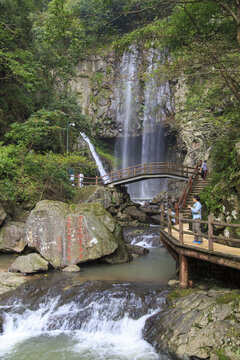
(157, 104)
(95, 156)
(147, 115)
(88, 321)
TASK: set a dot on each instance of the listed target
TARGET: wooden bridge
(141, 172)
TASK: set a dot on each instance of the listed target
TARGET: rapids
(67, 316)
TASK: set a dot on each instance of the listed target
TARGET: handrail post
(176, 212)
(210, 233)
(181, 228)
(169, 222)
(162, 217)
(96, 180)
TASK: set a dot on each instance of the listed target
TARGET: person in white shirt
(204, 169)
(196, 210)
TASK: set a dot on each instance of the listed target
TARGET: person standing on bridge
(196, 210)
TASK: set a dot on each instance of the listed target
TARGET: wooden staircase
(197, 187)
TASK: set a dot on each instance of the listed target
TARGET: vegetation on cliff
(42, 41)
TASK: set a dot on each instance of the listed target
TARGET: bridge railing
(169, 220)
(148, 169)
(135, 171)
(182, 201)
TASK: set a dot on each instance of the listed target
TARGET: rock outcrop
(66, 235)
(118, 203)
(29, 264)
(12, 237)
(198, 325)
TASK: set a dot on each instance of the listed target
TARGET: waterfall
(88, 321)
(127, 96)
(157, 104)
(95, 155)
(141, 111)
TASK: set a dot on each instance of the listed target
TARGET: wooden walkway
(141, 172)
(178, 240)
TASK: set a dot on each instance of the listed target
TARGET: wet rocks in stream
(198, 324)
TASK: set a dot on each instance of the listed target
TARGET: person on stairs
(196, 210)
(204, 169)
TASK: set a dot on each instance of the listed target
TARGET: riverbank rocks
(29, 264)
(198, 324)
(117, 202)
(137, 250)
(71, 268)
(65, 234)
(10, 281)
(12, 237)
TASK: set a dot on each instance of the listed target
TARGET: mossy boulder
(108, 197)
(29, 264)
(12, 237)
(65, 234)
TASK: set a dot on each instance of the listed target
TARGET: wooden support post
(183, 271)
(96, 180)
(169, 222)
(162, 217)
(177, 213)
(181, 228)
(210, 233)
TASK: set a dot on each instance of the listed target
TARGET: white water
(130, 84)
(147, 241)
(102, 334)
(141, 109)
(157, 105)
(95, 155)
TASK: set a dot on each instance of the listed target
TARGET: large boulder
(71, 234)
(108, 197)
(12, 237)
(3, 215)
(29, 264)
(137, 214)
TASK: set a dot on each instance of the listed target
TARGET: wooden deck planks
(218, 248)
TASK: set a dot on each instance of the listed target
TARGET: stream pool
(98, 313)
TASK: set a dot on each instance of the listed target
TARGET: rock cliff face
(100, 83)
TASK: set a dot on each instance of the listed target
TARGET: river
(96, 314)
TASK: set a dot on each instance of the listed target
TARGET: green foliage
(224, 179)
(37, 176)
